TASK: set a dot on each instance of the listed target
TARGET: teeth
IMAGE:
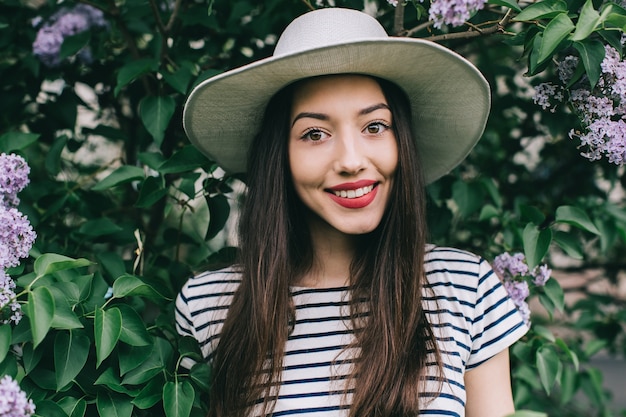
(359, 192)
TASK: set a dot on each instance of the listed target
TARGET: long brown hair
(394, 340)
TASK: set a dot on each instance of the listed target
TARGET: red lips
(354, 202)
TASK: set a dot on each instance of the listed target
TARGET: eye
(314, 135)
(376, 128)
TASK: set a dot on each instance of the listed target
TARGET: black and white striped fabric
(471, 314)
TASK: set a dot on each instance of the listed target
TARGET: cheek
(298, 165)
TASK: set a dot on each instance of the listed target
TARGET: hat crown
(326, 27)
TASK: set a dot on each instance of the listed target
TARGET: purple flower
(10, 309)
(541, 275)
(16, 237)
(602, 110)
(453, 12)
(65, 22)
(518, 292)
(13, 178)
(47, 46)
(508, 266)
(13, 401)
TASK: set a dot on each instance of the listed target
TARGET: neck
(333, 252)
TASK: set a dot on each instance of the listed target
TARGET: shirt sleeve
(497, 323)
(184, 323)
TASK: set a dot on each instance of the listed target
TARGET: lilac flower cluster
(66, 22)
(602, 110)
(13, 401)
(512, 269)
(450, 12)
(16, 233)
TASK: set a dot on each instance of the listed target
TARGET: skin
(488, 388)
(340, 134)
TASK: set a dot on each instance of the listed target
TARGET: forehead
(333, 87)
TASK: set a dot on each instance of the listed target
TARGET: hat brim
(450, 98)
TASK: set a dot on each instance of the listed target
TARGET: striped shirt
(468, 308)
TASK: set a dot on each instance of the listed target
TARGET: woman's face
(342, 151)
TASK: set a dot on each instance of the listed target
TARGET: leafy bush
(125, 210)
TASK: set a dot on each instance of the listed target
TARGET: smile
(359, 192)
(354, 195)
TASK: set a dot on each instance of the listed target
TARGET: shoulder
(211, 284)
(454, 267)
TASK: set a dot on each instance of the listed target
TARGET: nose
(350, 155)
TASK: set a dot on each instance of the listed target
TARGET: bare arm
(488, 388)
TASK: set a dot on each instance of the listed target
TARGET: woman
(337, 305)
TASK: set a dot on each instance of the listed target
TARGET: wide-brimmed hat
(450, 98)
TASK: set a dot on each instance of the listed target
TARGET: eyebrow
(322, 116)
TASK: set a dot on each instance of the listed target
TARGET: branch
(157, 17)
(398, 20)
(174, 15)
(475, 31)
(308, 4)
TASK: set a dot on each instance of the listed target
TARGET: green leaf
(150, 394)
(200, 374)
(17, 141)
(555, 32)
(588, 20)
(554, 291)
(616, 20)
(156, 113)
(31, 357)
(511, 4)
(536, 243)
(71, 350)
(49, 263)
(113, 405)
(134, 330)
(99, 227)
(151, 159)
(178, 398)
(122, 175)
(531, 213)
(576, 217)
(569, 385)
(490, 185)
(5, 340)
(488, 212)
(133, 70)
(219, 210)
(64, 316)
(544, 332)
(152, 190)
(594, 346)
(107, 329)
(186, 159)
(591, 52)
(572, 355)
(73, 407)
(542, 10)
(570, 244)
(74, 43)
(47, 408)
(130, 357)
(40, 310)
(179, 80)
(53, 156)
(161, 354)
(129, 285)
(549, 367)
(468, 197)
